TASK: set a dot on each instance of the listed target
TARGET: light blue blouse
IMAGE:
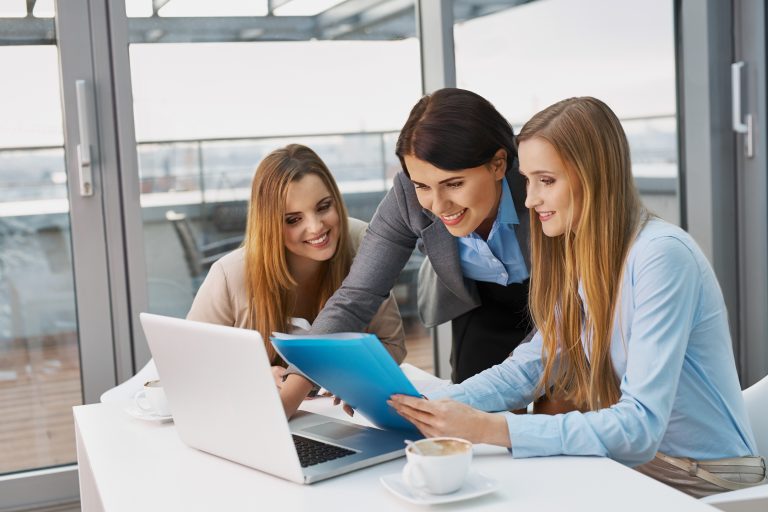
(671, 348)
(500, 259)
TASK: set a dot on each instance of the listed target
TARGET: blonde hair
(589, 139)
(270, 287)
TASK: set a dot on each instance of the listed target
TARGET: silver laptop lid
(222, 395)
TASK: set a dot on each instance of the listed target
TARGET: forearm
(383, 252)
(294, 390)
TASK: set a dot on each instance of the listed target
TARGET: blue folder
(354, 367)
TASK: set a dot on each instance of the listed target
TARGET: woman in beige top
(298, 248)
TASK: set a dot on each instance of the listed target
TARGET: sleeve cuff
(445, 392)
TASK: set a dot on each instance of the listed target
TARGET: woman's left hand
(346, 407)
(449, 418)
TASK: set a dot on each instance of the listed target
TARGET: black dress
(486, 335)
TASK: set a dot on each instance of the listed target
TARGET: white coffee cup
(151, 399)
(438, 465)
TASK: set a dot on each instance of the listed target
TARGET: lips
(545, 216)
(320, 241)
(453, 218)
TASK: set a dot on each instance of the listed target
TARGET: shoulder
(401, 199)
(231, 266)
(356, 228)
(666, 247)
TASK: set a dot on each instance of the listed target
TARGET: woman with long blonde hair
(298, 248)
(632, 326)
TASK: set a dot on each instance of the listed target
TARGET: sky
(521, 59)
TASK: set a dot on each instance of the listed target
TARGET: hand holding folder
(353, 366)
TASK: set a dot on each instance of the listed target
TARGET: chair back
(756, 400)
(192, 253)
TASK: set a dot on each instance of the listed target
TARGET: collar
(507, 213)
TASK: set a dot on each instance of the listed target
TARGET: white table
(128, 464)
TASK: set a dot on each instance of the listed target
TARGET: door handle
(740, 126)
(84, 162)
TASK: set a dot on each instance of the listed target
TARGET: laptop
(224, 401)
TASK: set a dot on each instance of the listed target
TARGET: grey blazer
(399, 224)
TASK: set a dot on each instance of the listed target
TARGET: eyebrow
(316, 204)
(533, 173)
(440, 182)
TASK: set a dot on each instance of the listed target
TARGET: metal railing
(213, 170)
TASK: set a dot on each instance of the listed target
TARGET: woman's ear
(499, 163)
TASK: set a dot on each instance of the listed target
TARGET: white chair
(128, 389)
(754, 499)
(756, 400)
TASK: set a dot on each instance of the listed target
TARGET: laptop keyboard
(313, 452)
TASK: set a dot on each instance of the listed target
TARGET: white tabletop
(127, 464)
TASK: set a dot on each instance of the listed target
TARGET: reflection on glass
(39, 359)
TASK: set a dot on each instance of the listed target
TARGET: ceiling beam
(364, 21)
(222, 29)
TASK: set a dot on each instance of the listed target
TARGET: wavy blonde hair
(270, 287)
(589, 139)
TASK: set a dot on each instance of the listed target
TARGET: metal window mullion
(94, 315)
(707, 150)
(434, 23)
(133, 298)
(125, 241)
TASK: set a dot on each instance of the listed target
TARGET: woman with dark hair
(461, 199)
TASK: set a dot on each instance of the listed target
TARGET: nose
(440, 203)
(315, 224)
(531, 198)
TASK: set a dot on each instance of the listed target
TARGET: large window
(525, 58)
(39, 354)
(213, 95)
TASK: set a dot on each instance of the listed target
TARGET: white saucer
(475, 485)
(137, 413)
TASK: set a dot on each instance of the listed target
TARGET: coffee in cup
(151, 399)
(438, 465)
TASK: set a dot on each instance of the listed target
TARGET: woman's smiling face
(463, 200)
(551, 192)
(311, 225)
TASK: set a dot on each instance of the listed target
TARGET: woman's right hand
(295, 389)
(278, 373)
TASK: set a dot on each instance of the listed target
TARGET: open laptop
(224, 401)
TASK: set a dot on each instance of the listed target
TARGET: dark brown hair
(455, 129)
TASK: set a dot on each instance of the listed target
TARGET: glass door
(40, 365)
(55, 344)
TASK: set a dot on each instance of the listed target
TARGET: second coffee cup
(438, 465)
(151, 399)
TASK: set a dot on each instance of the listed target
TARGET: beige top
(222, 298)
